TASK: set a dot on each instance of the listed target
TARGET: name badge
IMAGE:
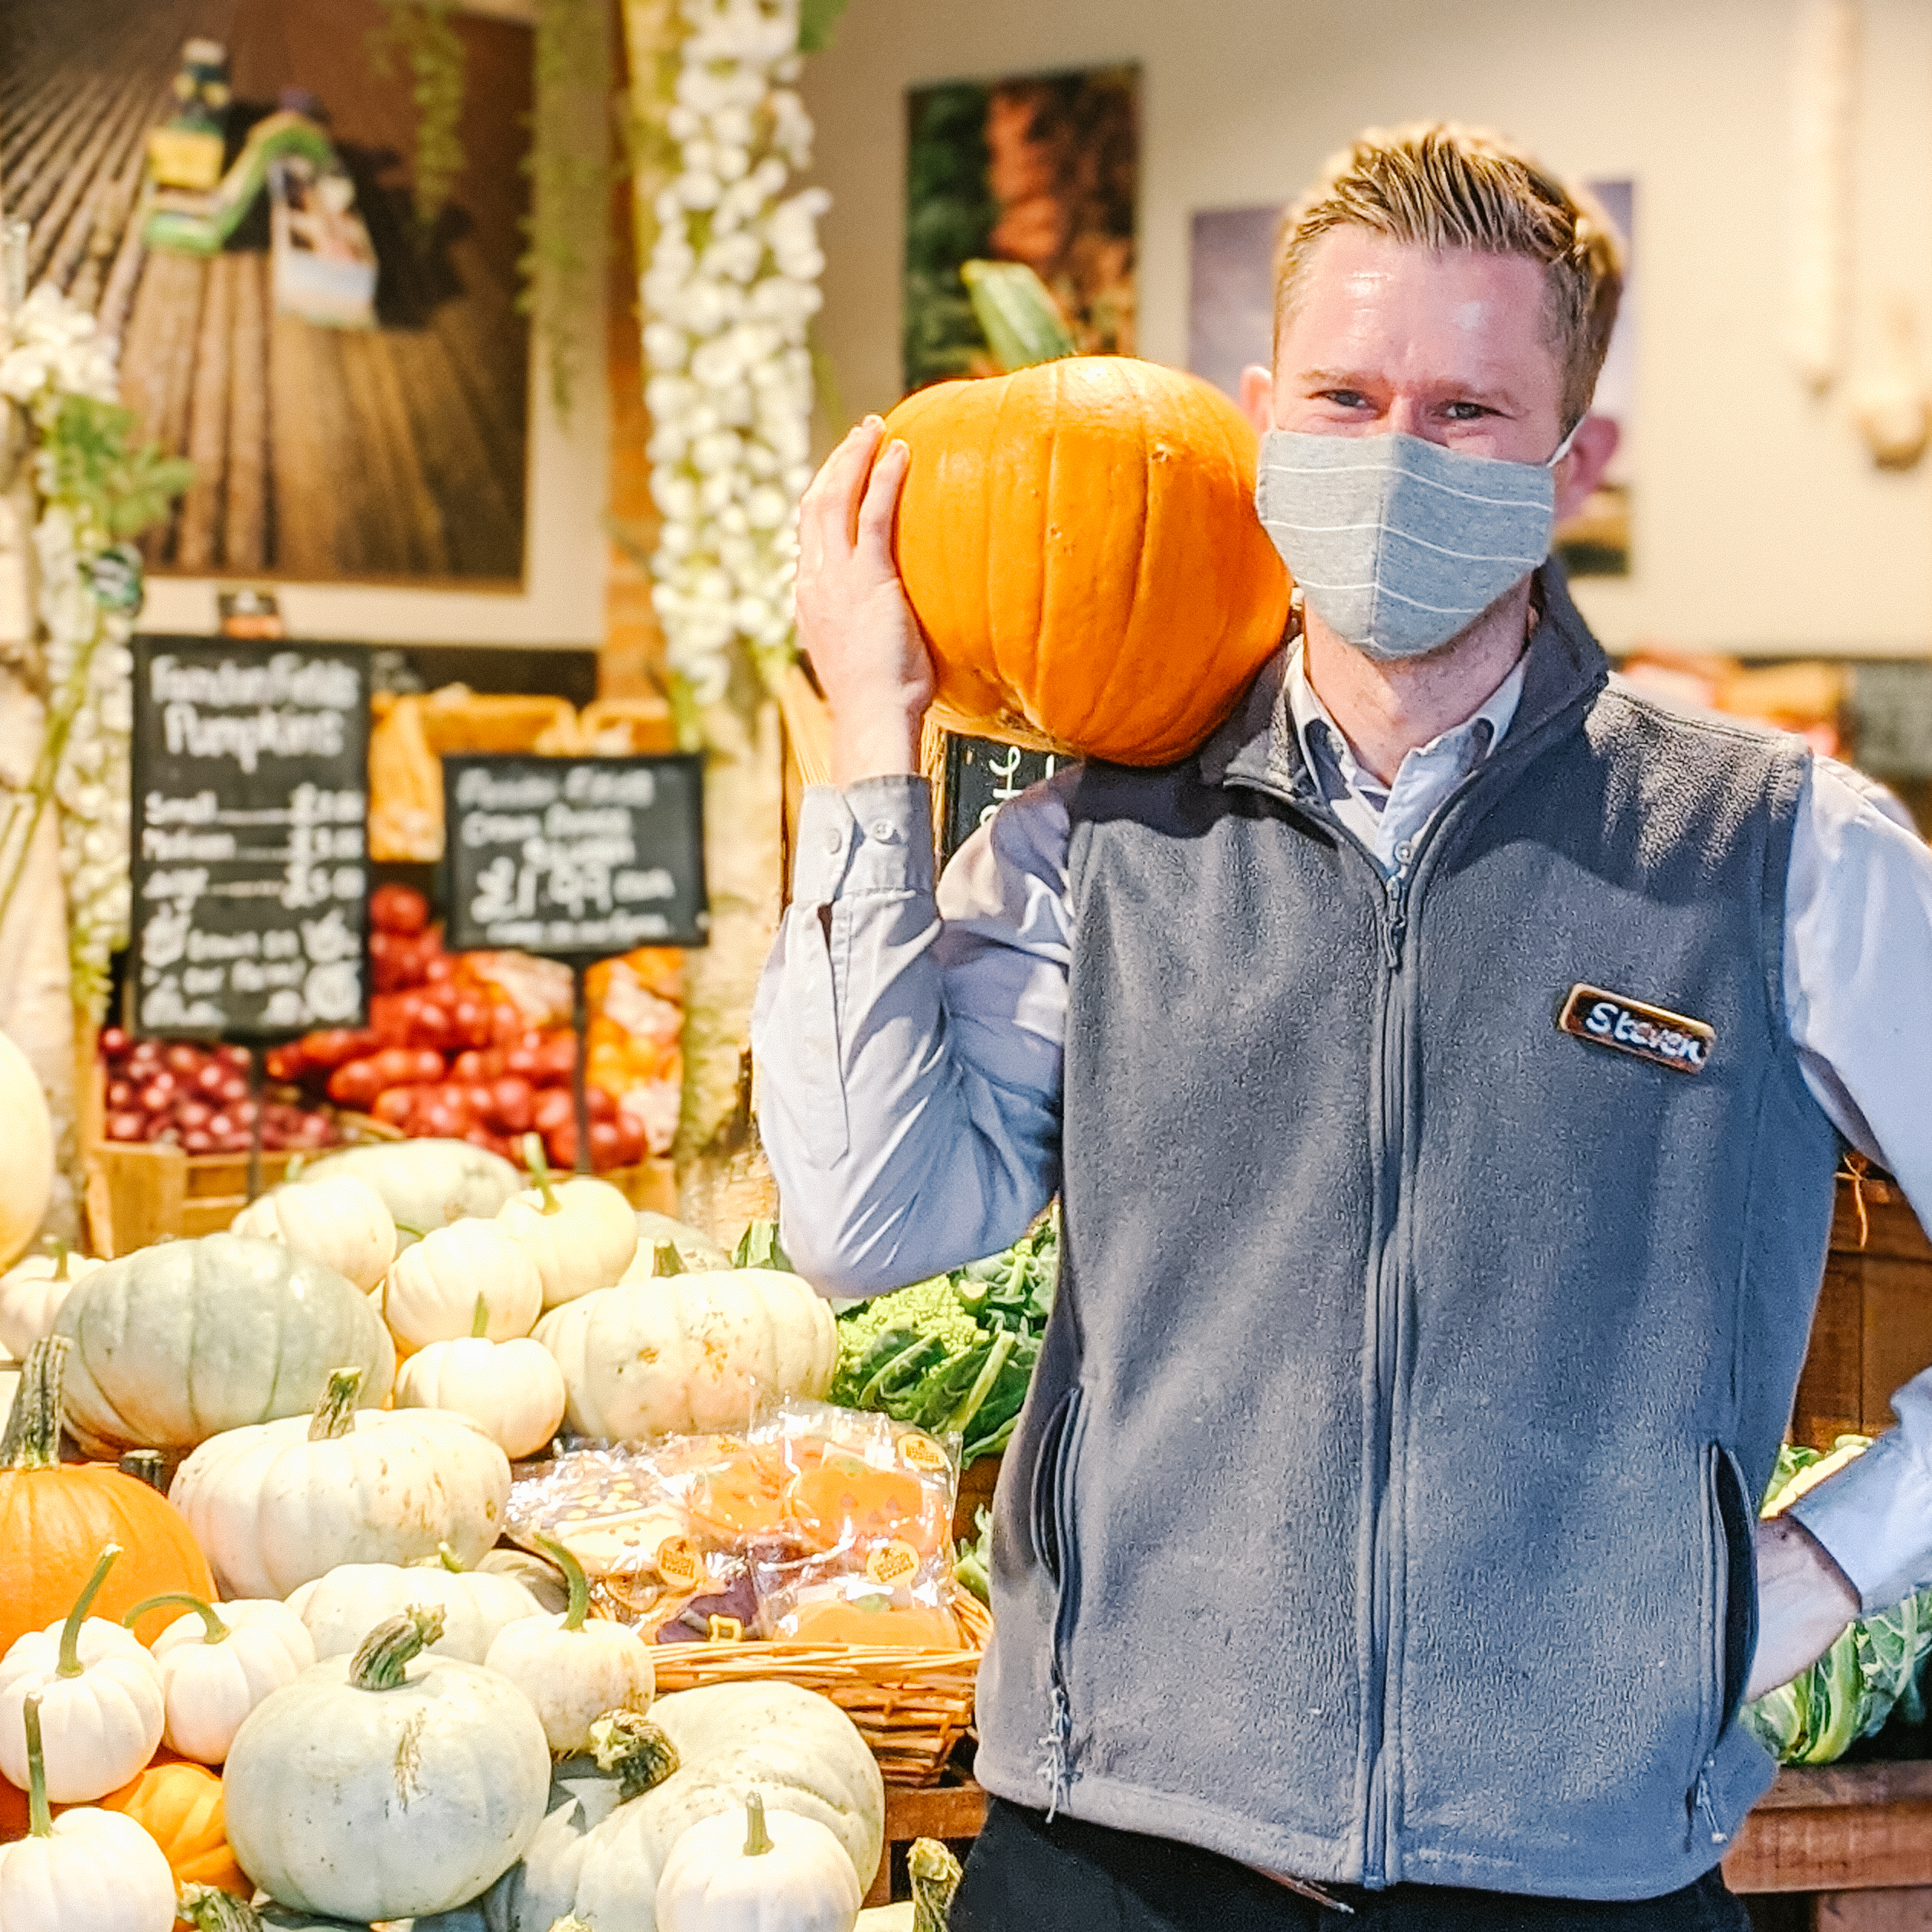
(1630, 1025)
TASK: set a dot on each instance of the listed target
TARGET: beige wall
(1762, 523)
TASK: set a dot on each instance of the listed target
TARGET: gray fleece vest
(1382, 1509)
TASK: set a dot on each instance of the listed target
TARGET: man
(1442, 1073)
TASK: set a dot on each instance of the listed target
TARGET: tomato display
(197, 1097)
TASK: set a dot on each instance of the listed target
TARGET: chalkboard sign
(250, 797)
(1891, 708)
(575, 857)
(981, 774)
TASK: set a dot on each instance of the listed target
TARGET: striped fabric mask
(1398, 543)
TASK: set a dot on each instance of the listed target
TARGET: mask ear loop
(1563, 447)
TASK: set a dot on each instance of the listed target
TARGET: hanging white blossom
(732, 283)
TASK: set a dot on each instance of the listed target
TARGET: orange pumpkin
(179, 1806)
(54, 1517)
(1079, 543)
(836, 1499)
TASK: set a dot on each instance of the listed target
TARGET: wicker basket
(911, 1706)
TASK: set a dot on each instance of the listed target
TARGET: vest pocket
(1051, 1499)
(1731, 1610)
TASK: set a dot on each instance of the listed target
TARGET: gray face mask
(1396, 542)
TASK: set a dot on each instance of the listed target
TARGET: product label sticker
(891, 1563)
(727, 1630)
(679, 1563)
(921, 1452)
(1628, 1026)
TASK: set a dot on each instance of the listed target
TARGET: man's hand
(1804, 1601)
(853, 619)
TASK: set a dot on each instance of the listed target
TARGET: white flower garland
(50, 351)
(732, 283)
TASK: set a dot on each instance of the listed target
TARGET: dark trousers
(1025, 1875)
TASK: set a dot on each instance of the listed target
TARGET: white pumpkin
(574, 1669)
(277, 1504)
(750, 1874)
(86, 1871)
(601, 1856)
(217, 1666)
(690, 1353)
(338, 1610)
(100, 1706)
(430, 1293)
(581, 1233)
(512, 1390)
(27, 1174)
(424, 1183)
(31, 1292)
(339, 1221)
(387, 1785)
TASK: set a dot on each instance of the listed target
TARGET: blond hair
(1434, 184)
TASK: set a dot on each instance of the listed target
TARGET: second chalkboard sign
(575, 858)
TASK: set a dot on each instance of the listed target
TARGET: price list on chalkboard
(981, 774)
(250, 790)
(575, 858)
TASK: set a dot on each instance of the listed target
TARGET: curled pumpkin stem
(209, 1910)
(935, 1873)
(69, 1664)
(216, 1630)
(334, 1415)
(666, 1260)
(447, 1558)
(574, 1576)
(640, 1752)
(383, 1660)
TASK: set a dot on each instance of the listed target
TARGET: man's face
(1449, 345)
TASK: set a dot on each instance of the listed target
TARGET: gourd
(935, 1875)
(386, 1785)
(27, 1174)
(580, 1233)
(430, 1293)
(339, 1610)
(1079, 542)
(689, 1353)
(87, 1871)
(512, 1391)
(574, 1671)
(280, 1503)
(175, 1343)
(180, 1807)
(602, 1850)
(785, 1874)
(99, 1696)
(340, 1221)
(425, 1184)
(31, 1292)
(217, 1666)
(54, 1517)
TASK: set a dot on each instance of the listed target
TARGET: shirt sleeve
(909, 1039)
(1858, 987)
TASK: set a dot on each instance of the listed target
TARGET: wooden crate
(1835, 1829)
(1874, 1326)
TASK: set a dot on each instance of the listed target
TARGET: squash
(175, 1343)
(729, 1874)
(1079, 542)
(217, 1666)
(424, 1184)
(98, 1695)
(340, 1221)
(180, 1807)
(690, 1353)
(339, 1610)
(87, 1871)
(54, 1517)
(574, 1671)
(386, 1785)
(27, 1174)
(544, 1580)
(431, 1293)
(602, 1850)
(512, 1391)
(581, 1233)
(31, 1292)
(279, 1503)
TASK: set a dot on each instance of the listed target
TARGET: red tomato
(599, 1103)
(355, 1083)
(394, 1105)
(285, 1062)
(435, 965)
(332, 1048)
(431, 1026)
(159, 1094)
(113, 1039)
(469, 1021)
(398, 908)
(235, 1057)
(506, 1023)
(631, 1143)
(524, 1056)
(512, 1104)
(606, 1146)
(560, 1144)
(194, 1113)
(555, 1107)
(558, 1053)
(197, 1140)
(441, 1118)
(120, 1094)
(127, 1126)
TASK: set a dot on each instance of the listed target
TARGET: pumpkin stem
(293, 1172)
(758, 1840)
(574, 1576)
(383, 1660)
(479, 1322)
(145, 1466)
(666, 1260)
(637, 1751)
(61, 1253)
(208, 1910)
(447, 1558)
(70, 1666)
(41, 1820)
(335, 1412)
(410, 1228)
(217, 1632)
(935, 1873)
(33, 1436)
(539, 1172)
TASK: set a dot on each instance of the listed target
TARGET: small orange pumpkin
(55, 1516)
(1079, 543)
(836, 1498)
(179, 1806)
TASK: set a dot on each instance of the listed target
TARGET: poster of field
(315, 301)
(1040, 169)
(1230, 319)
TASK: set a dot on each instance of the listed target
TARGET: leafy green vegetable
(975, 1565)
